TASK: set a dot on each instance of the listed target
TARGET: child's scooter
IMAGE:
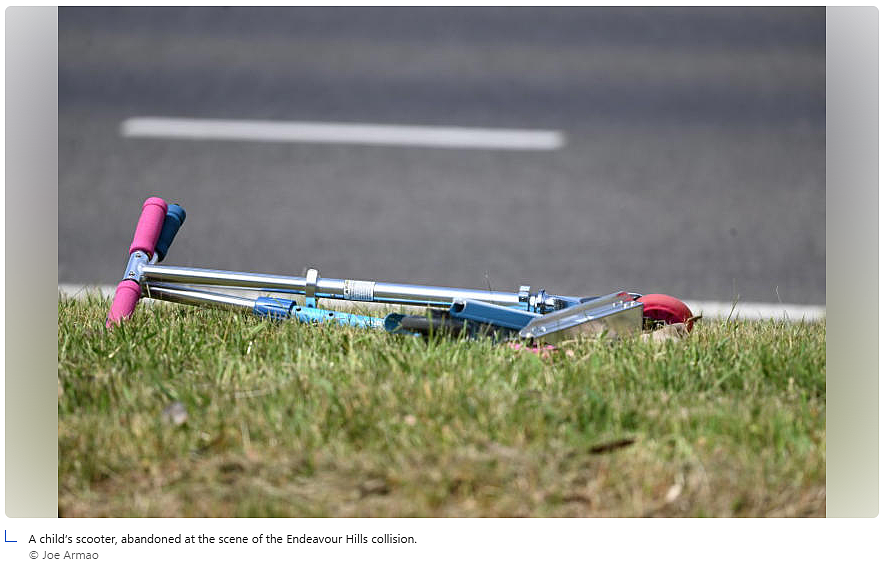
(537, 316)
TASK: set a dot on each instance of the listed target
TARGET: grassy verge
(293, 420)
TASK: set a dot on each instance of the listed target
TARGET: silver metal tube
(353, 290)
(432, 295)
(197, 297)
(222, 278)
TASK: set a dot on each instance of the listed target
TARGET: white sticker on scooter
(357, 290)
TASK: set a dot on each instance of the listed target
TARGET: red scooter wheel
(664, 308)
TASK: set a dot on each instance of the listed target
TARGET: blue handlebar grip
(175, 216)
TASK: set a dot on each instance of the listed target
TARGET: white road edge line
(342, 133)
(710, 309)
(757, 311)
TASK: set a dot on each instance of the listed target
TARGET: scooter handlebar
(125, 299)
(147, 231)
(175, 216)
(150, 223)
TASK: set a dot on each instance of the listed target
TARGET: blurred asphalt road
(694, 161)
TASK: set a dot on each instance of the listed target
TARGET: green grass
(294, 420)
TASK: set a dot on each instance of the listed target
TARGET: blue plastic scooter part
(276, 308)
(392, 324)
(318, 315)
(273, 308)
(491, 314)
(175, 216)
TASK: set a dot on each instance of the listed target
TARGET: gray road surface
(694, 163)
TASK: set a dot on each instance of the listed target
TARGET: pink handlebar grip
(125, 299)
(150, 223)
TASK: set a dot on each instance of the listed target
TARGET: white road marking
(754, 311)
(709, 309)
(342, 133)
(80, 291)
